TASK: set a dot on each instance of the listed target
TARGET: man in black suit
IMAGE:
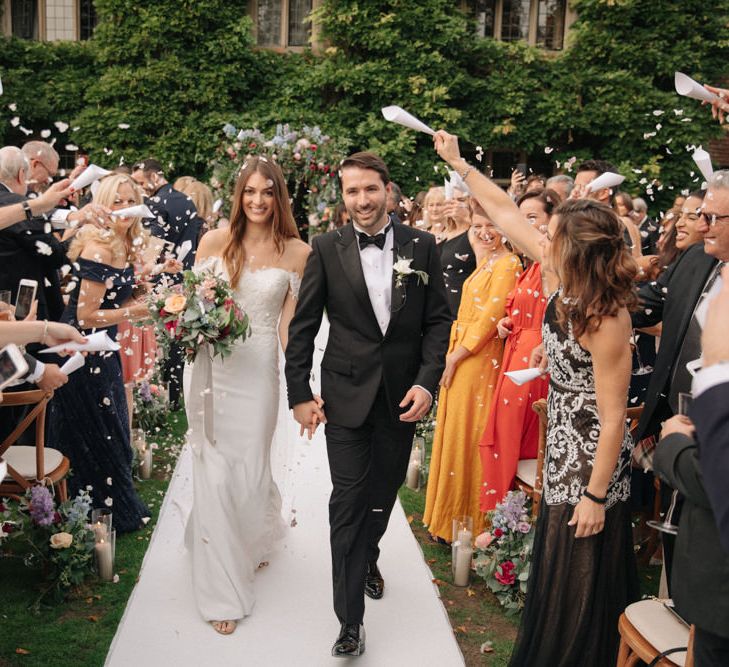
(696, 462)
(648, 229)
(711, 408)
(381, 285)
(28, 249)
(673, 299)
(176, 221)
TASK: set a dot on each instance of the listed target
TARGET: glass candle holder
(145, 462)
(462, 540)
(139, 439)
(101, 522)
(104, 551)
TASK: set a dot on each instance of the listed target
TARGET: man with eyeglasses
(674, 299)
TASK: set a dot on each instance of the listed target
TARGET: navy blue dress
(89, 419)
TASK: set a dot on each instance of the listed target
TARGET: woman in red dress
(512, 429)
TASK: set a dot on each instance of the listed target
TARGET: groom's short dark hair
(366, 160)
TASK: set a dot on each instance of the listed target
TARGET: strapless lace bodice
(261, 292)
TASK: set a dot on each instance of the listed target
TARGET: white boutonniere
(403, 269)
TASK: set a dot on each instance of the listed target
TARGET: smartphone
(25, 297)
(12, 365)
(522, 168)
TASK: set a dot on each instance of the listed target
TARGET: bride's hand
(309, 415)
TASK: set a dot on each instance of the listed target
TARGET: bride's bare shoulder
(295, 255)
(212, 243)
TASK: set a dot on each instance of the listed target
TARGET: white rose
(403, 266)
(61, 540)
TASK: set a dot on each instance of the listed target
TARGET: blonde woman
(88, 418)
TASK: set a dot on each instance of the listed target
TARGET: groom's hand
(309, 415)
(420, 400)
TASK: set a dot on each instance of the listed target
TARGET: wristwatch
(26, 209)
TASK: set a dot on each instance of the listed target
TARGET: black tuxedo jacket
(20, 258)
(710, 413)
(672, 300)
(700, 575)
(358, 358)
(177, 220)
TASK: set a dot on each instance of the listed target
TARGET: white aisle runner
(293, 622)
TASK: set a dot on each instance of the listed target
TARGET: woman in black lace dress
(583, 572)
(89, 421)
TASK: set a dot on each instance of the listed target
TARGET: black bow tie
(377, 239)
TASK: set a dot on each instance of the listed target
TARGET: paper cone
(73, 363)
(524, 376)
(95, 342)
(217, 205)
(140, 211)
(184, 250)
(687, 87)
(398, 115)
(607, 180)
(88, 176)
(448, 187)
(703, 162)
(458, 183)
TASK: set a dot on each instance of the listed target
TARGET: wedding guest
(512, 428)
(415, 214)
(340, 217)
(583, 570)
(395, 206)
(472, 365)
(562, 185)
(685, 451)
(27, 249)
(456, 255)
(588, 171)
(433, 206)
(202, 197)
(648, 229)
(88, 418)
(535, 182)
(709, 408)
(183, 182)
(623, 204)
(176, 222)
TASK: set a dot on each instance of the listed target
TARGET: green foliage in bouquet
(201, 311)
(504, 554)
(56, 539)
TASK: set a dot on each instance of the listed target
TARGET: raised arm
(498, 205)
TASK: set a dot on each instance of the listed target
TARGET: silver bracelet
(45, 333)
(466, 172)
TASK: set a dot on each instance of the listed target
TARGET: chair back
(38, 398)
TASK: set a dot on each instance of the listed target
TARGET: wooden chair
(647, 629)
(529, 471)
(37, 464)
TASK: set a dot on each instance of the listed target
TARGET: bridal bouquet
(200, 311)
(504, 553)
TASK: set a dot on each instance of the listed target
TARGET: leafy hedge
(176, 71)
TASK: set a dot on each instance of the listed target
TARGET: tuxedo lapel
(348, 253)
(402, 248)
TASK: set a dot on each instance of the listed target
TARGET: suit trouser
(710, 650)
(367, 465)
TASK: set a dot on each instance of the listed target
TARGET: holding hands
(309, 415)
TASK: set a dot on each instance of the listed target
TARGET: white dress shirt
(377, 269)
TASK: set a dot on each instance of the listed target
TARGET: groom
(381, 285)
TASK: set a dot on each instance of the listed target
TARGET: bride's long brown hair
(594, 265)
(283, 223)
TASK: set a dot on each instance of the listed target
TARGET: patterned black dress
(89, 419)
(577, 588)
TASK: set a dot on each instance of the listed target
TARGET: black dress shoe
(350, 642)
(374, 583)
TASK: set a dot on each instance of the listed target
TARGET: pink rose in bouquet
(483, 540)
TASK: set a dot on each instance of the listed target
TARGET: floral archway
(308, 159)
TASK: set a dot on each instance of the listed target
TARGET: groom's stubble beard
(379, 218)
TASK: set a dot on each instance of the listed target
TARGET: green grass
(79, 631)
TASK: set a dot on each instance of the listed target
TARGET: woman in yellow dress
(472, 367)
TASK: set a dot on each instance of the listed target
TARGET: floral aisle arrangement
(201, 311)
(504, 553)
(308, 158)
(58, 539)
(151, 403)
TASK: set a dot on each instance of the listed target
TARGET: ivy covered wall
(163, 78)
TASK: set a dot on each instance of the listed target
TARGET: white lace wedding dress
(232, 411)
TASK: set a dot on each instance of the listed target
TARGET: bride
(232, 406)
